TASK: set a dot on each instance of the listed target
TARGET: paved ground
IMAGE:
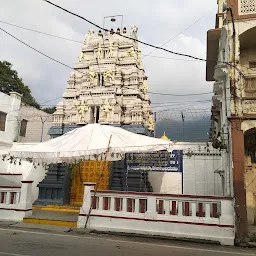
(39, 240)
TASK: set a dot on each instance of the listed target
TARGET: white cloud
(157, 21)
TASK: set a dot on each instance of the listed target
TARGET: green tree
(49, 110)
(10, 82)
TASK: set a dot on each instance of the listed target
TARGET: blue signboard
(176, 160)
(161, 161)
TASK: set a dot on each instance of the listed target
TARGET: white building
(20, 122)
(231, 64)
(9, 112)
(34, 124)
(26, 125)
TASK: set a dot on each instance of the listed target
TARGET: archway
(250, 174)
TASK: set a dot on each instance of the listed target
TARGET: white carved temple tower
(108, 86)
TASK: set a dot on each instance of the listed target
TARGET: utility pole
(183, 120)
(155, 125)
(42, 130)
(19, 127)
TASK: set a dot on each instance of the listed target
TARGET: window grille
(247, 7)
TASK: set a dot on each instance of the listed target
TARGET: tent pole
(97, 184)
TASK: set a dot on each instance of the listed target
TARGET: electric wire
(53, 59)
(139, 41)
(40, 32)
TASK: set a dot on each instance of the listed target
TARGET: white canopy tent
(91, 142)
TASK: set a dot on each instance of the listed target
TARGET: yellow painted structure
(88, 171)
(57, 208)
(164, 137)
(50, 222)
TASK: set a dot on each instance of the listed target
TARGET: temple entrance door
(88, 171)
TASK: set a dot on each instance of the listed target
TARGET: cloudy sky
(158, 22)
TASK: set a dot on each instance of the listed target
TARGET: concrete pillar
(86, 206)
(87, 201)
(227, 212)
(25, 195)
(24, 206)
(151, 208)
(237, 137)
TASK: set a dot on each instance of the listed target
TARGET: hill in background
(194, 130)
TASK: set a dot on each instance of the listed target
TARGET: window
(2, 121)
(97, 115)
(100, 80)
(247, 7)
(23, 127)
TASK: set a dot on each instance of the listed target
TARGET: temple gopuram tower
(108, 86)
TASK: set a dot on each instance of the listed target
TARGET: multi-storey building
(231, 63)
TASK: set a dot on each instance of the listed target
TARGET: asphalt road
(22, 242)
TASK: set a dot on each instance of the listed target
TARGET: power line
(47, 56)
(41, 104)
(80, 42)
(170, 94)
(147, 44)
(178, 110)
(169, 58)
(181, 103)
(174, 102)
(148, 54)
(139, 41)
(40, 32)
(199, 60)
(156, 104)
(127, 37)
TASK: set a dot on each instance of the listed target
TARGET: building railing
(162, 206)
(16, 201)
(164, 213)
(9, 197)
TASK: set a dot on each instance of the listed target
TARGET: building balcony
(213, 37)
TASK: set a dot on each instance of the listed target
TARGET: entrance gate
(88, 171)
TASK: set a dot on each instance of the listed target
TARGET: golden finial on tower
(164, 137)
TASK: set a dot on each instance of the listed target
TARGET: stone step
(58, 218)
(50, 222)
(60, 208)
